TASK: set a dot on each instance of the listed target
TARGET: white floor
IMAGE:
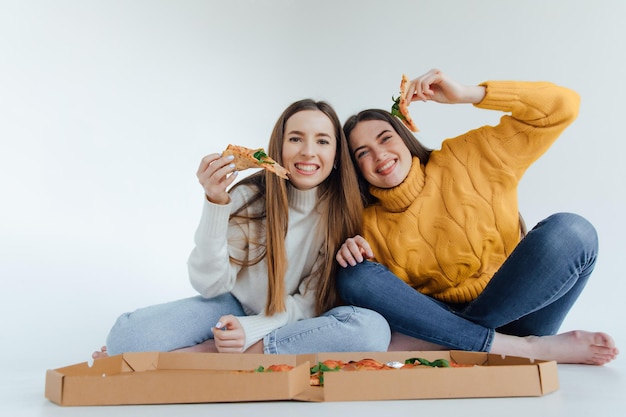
(585, 391)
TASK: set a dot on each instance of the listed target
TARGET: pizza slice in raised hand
(254, 158)
(400, 107)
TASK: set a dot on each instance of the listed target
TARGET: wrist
(475, 94)
(218, 201)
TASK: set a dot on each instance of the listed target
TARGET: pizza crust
(404, 105)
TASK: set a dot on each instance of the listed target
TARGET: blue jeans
(529, 295)
(189, 321)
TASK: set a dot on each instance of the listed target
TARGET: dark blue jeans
(530, 295)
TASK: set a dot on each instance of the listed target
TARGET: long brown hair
(411, 142)
(339, 205)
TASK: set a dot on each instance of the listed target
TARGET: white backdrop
(106, 108)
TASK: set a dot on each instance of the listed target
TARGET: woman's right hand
(354, 250)
(228, 334)
(213, 176)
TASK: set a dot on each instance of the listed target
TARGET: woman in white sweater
(263, 260)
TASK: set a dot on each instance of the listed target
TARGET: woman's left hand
(229, 335)
(354, 250)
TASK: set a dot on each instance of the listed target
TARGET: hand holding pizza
(432, 86)
(229, 335)
(213, 174)
(436, 86)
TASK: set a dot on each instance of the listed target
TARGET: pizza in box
(331, 365)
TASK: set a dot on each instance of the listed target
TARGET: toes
(603, 339)
(100, 354)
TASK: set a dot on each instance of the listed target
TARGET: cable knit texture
(451, 224)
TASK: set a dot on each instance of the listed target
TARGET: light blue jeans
(529, 295)
(189, 321)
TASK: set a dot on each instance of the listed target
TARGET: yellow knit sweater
(451, 224)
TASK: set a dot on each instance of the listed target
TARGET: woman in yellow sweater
(444, 256)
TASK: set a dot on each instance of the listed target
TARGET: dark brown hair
(411, 142)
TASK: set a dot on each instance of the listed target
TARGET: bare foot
(402, 342)
(577, 347)
(102, 353)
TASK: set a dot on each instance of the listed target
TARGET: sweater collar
(303, 201)
(400, 197)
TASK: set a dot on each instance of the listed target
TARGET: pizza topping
(330, 365)
(274, 368)
(395, 109)
(439, 363)
(396, 364)
(317, 371)
(262, 157)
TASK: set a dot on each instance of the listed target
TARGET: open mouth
(386, 167)
(307, 168)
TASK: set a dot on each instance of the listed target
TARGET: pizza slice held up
(254, 158)
(400, 107)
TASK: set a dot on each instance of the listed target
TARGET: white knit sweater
(211, 273)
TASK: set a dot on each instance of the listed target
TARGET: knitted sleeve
(210, 271)
(538, 113)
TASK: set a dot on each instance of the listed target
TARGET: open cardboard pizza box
(493, 376)
(166, 378)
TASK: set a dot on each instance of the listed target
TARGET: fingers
(228, 322)
(229, 335)
(418, 92)
(421, 88)
(205, 162)
(354, 250)
(216, 174)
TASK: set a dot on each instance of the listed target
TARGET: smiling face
(382, 157)
(309, 148)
